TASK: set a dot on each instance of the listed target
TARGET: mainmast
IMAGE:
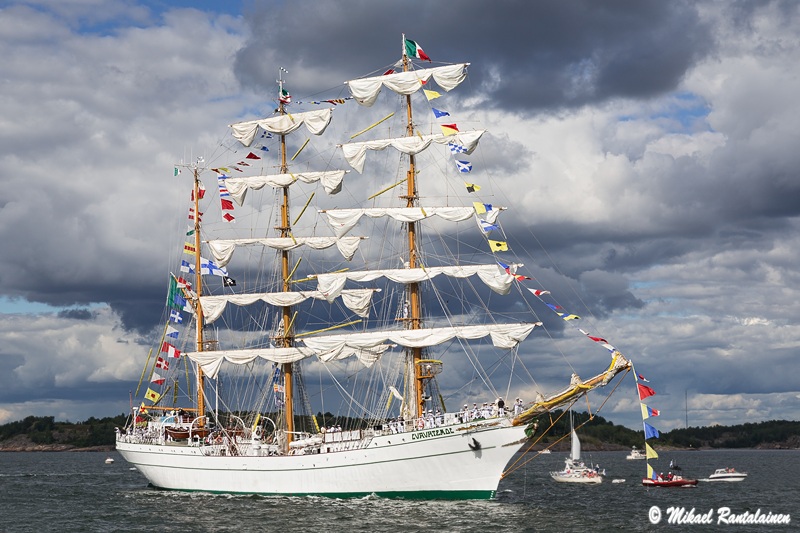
(415, 306)
(285, 231)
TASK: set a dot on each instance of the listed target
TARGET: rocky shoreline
(21, 443)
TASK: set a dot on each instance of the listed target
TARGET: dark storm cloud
(76, 314)
(525, 55)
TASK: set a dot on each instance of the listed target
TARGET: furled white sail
(367, 346)
(493, 276)
(503, 336)
(211, 362)
(315, 121)
(357, 300)
(222, 249)
(331, 181)
(343, 220)
(356, 153)
(366, 90)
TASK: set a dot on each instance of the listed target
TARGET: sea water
(68, 492)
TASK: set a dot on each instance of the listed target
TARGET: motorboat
(636, 453)
(726, 474)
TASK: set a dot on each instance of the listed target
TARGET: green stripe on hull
(402, 495)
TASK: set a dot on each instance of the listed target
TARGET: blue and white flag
(486, 227)
(463, 166)
(439, 113)
(175, 316)
(172, 332)
(209, 267)
(456, 148)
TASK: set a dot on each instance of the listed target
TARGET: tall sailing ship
(375, 331)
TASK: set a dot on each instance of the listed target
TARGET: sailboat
(377, 325)
(575, 470)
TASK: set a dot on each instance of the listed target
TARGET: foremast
(198, 283)
(415, 306)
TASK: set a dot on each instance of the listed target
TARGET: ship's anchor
(474, 445)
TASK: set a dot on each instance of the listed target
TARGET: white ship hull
(442, 463)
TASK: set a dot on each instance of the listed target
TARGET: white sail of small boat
(575, 471)
(575, 450)
(375, 315)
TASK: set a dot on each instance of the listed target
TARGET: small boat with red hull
(674, 481)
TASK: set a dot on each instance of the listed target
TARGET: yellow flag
(650, 473)
(471, 187)
(449, 129)
(188, 248)
(431, 95)
(479, 207)
(650, 453)
(498, 246)
(152, 395)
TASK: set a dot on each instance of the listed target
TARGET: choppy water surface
(79, 492)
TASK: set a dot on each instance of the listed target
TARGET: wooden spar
(291, 323)
(198, 283)
(309, 278)
(147, 363)
(300, 149)
(390, 187)
(285, 231)
(295, 268)
(328, 328)
(365, 130)
(573, 391)
(304, 208)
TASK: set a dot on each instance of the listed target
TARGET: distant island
(43, 433)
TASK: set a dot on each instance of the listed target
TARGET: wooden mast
(198, 284)
(415, 306)
(285, 231)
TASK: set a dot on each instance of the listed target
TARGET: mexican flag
(415, 50)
